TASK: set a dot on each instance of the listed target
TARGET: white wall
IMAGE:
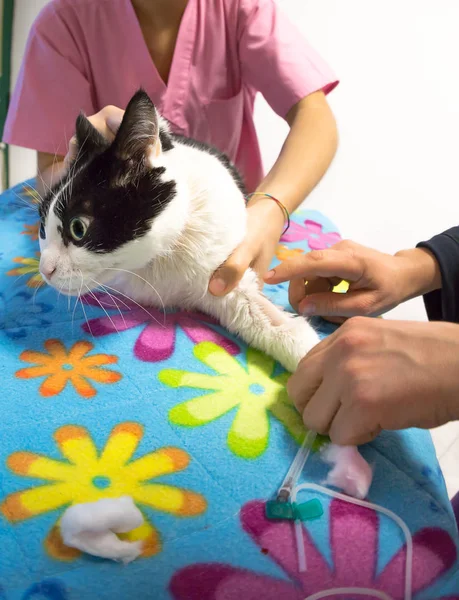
(395, 179)
(22, 162)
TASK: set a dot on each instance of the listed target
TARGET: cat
(153, 215)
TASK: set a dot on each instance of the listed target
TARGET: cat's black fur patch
(117, 213)
(113, 186)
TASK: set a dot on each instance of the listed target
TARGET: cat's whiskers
(105, 291)
(100, 304)
(74, 165)
(34, 296)
(82, 303)
(52, 167)
(34, 191)
(147, 282)
(132, 300)
(28, 204)
(70, 287)
(45, 185)
(60, 291)
(74, 309)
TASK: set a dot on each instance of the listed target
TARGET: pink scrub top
(84, 54)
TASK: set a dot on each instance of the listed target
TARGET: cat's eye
(78, 229)
(42, 232)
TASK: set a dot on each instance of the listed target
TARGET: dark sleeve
(443, 305)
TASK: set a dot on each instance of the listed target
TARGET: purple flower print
(354, 542)
(156, 341)
(313, 233)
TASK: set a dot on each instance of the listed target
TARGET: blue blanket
(108, 398)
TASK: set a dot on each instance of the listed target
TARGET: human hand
(372, 374)
(377, 282)
(51, 168)
(106, 121)
(264, 227)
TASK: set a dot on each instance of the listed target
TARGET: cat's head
(113, 208)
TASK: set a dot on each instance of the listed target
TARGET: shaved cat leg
(250, 315)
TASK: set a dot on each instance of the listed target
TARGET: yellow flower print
(61, 366)
(285, 253)
(87, 476)
(32, 230)
(254, 394)
(30, 267)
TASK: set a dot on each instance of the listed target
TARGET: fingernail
(270, 274)
(308, 309)
(217, 286)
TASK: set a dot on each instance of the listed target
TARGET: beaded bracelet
(279, 204)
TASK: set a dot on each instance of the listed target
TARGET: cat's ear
(88, 139)
(138, 136)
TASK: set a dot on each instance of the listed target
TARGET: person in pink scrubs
(202, 62)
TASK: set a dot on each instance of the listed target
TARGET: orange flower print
(89, 473)
(60, 366)
(285, 253)
(30, 267)
(32, 230)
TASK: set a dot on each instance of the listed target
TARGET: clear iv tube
(377, 508)
(297, 466)
(347, 591)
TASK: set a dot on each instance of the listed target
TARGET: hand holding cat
(106, 121)
(265, 223)
(372, 374)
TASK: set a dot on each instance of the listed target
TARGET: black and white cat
(153, 215)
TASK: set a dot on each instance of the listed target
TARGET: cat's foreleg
(249, 314)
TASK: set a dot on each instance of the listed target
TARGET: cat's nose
(47, 267)
(48, 271)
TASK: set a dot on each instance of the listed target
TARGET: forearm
(419, 273)
(306, 154)
(49, 174)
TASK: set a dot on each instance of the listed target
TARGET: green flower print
(254, 392)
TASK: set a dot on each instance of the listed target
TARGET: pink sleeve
(51, 89)
(276, 60)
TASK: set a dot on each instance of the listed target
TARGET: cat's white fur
(187, 242)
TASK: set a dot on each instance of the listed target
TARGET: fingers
(320, 411)
(319, 263)
(114, 120)
(299, 289)
(230, 273)
(352, 428)
(296, 293)
(107, 121)
(351, 304)
(307, 379)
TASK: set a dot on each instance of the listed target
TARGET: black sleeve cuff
(443, 305)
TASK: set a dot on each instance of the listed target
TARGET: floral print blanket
(107, 398)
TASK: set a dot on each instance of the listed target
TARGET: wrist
(420, 272)
(268, 213)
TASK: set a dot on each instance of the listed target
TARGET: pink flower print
(354, 541)
(156, 341)
(313, 233)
